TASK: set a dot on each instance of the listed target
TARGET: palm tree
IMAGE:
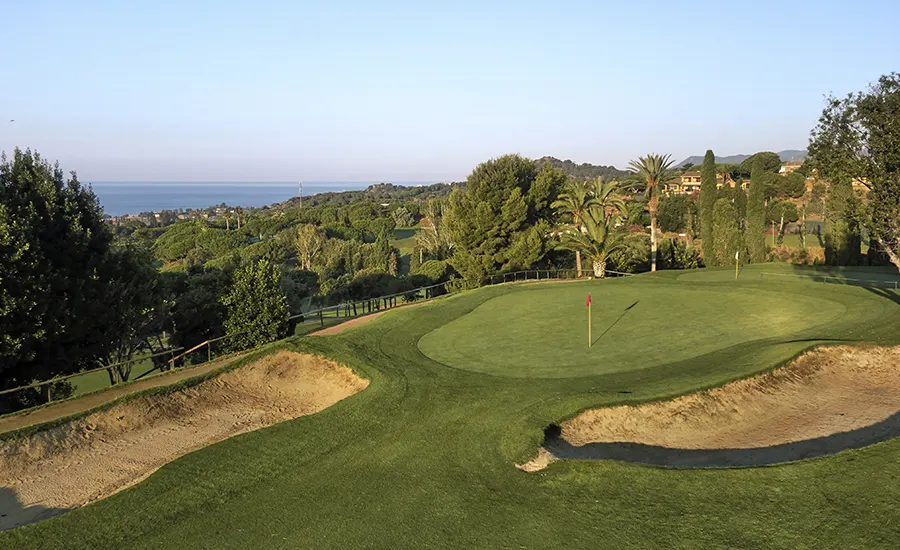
(599, 233)
(650, 172)
(575, 202)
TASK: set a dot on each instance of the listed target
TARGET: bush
(675, 254)
(435, 270)
(633, 258)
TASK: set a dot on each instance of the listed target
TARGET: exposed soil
(826, 401)
(98, 455)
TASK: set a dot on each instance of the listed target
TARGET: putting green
(542, 332)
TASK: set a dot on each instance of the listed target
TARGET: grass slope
(424, 458)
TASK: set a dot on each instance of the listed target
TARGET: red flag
(589, 300)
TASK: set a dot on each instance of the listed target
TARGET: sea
(122, 198)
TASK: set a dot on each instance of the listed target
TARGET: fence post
(208, 351)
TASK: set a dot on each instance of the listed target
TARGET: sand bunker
(826, 401)
(105, 452)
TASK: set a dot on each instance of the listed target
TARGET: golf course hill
(648, 434)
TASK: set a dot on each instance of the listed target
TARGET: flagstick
(590, 342)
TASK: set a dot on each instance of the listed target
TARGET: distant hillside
(786, 155)
(582, 171)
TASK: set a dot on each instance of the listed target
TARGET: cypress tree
(726, 232)
(756, 213)
(707, 206)
(842, 235)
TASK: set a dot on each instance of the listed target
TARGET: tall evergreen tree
(756, 213)
(707, 205)
(842, 232)
(726, 233)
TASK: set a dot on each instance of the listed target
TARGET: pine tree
(707, 205)
(756, 214)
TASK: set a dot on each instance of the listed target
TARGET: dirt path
(825, 401)
(355, 322)
(93, 400)
(98, 455)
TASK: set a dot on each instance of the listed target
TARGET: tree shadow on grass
(888, 294)
(724, 458)
(614, 323)
(14, 514)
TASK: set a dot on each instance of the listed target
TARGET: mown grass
(423, 458)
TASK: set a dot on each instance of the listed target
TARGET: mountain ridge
(786, 155)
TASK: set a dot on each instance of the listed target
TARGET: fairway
(542, 331)
(426, 455)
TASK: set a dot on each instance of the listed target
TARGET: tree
(257, 306)
(708, 193)
(134, 304)
(53, 242)
(727, 233)
(402, 217)
(573, 203)
(599, 236)
(857, 138)
(756, 214)
(198, 312)
(768, 162)
(309, 242)
(500, 221)
(842, 225)
(650, 172)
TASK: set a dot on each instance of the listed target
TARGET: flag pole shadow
(614, 323)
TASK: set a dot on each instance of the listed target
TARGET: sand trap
(105, 452)
(826, 400)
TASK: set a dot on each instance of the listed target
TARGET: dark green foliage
(134, 306)
(708, 194)
(257, 306)
(842, 225)
(633, 256)
(402, 217)
(500, 221)
(53, 243)
(676, 254)
(727, 233)
(298, 286)
(674, 212)
(177, 241)
(792, 185)
(197, 313)
(582, 171)
(859, 137)
(436, 270)
(756, 213)
(768, 162)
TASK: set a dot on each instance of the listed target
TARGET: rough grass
(424, 457)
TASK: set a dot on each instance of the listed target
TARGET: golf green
(425, 456)
(542, 332)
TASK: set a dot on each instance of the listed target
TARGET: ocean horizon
(123, 198)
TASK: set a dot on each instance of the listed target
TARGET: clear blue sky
(417, 90)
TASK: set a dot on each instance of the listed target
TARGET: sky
(420, 91)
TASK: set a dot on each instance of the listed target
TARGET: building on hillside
(790, 166)
(689, 183)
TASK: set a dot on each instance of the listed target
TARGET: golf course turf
(424, 457)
